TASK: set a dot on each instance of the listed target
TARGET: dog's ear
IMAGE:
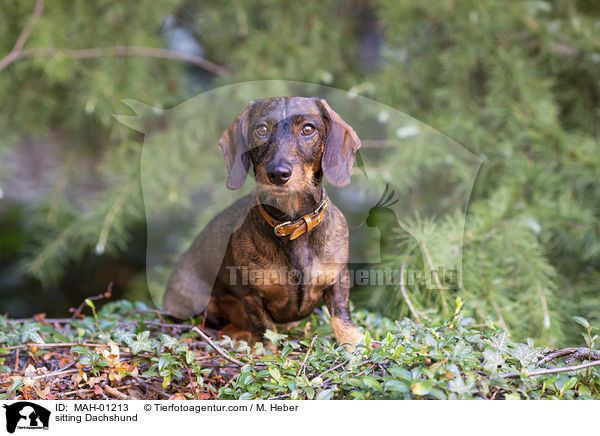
(340, 147)
(234, 145)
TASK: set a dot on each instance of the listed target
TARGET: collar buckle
(278, 227)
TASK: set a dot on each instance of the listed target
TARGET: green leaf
(582, 321)
(16, 385)
(123, 336)
(325, 394)
(500, 342)
(163, 362)
(29, 333)
(138, 345)
(169, 341)
(398, 371)
(275, 373)
(396, 386)
(246, 379)
(370, 382)
(525, 355)
(275, 338)
(81, 350)
(493, 360)
(568, 385)
(421, 388)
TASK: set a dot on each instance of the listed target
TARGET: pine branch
(412, 309)
(112, 213)
(435, 276)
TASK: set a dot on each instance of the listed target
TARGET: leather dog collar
(297, 227)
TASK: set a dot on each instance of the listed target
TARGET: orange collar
(301, 225)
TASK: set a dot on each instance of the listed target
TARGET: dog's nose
(279, 173)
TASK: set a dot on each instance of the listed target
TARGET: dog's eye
(308, 129)
(261, 130)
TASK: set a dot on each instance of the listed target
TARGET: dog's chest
(291, 283)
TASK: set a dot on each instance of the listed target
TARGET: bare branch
(37, 12)
(555, 354)
(553, 370)
(574, 353)
(17, 51)
(124, 50)
(216, 347)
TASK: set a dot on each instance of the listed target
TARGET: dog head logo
(26, 415)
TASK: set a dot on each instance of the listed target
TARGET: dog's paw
(237, 334)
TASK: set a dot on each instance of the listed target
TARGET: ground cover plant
(127, 351)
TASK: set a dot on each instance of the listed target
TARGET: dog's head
(291, 142)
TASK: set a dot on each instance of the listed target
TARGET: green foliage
(518, 86)
(450, 359)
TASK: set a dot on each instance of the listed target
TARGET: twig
(194, 390)
(62, 371)
(116, 393)
(581, 353)
(163, 325)
(556, 354)
(218, 349)
(57, 344)
(436, 277)
(151, 387)
(43, 320)
(119, 50)
(16, 52)
(553, 370)
(79, 391)
(105, 294)
(334, 368)
(303, 366)
(155, 311)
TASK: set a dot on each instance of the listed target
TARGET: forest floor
(128, 351)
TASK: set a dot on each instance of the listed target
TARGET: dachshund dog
(285, 245)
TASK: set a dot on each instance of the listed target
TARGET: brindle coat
(316, 261)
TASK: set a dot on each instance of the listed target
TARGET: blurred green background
(517, 83)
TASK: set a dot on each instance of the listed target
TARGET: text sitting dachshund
(285, 245)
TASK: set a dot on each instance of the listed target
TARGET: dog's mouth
(275, 190)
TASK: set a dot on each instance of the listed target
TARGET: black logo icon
(26, 415)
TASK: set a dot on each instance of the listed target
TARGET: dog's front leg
(258, 319)
(336, 299)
